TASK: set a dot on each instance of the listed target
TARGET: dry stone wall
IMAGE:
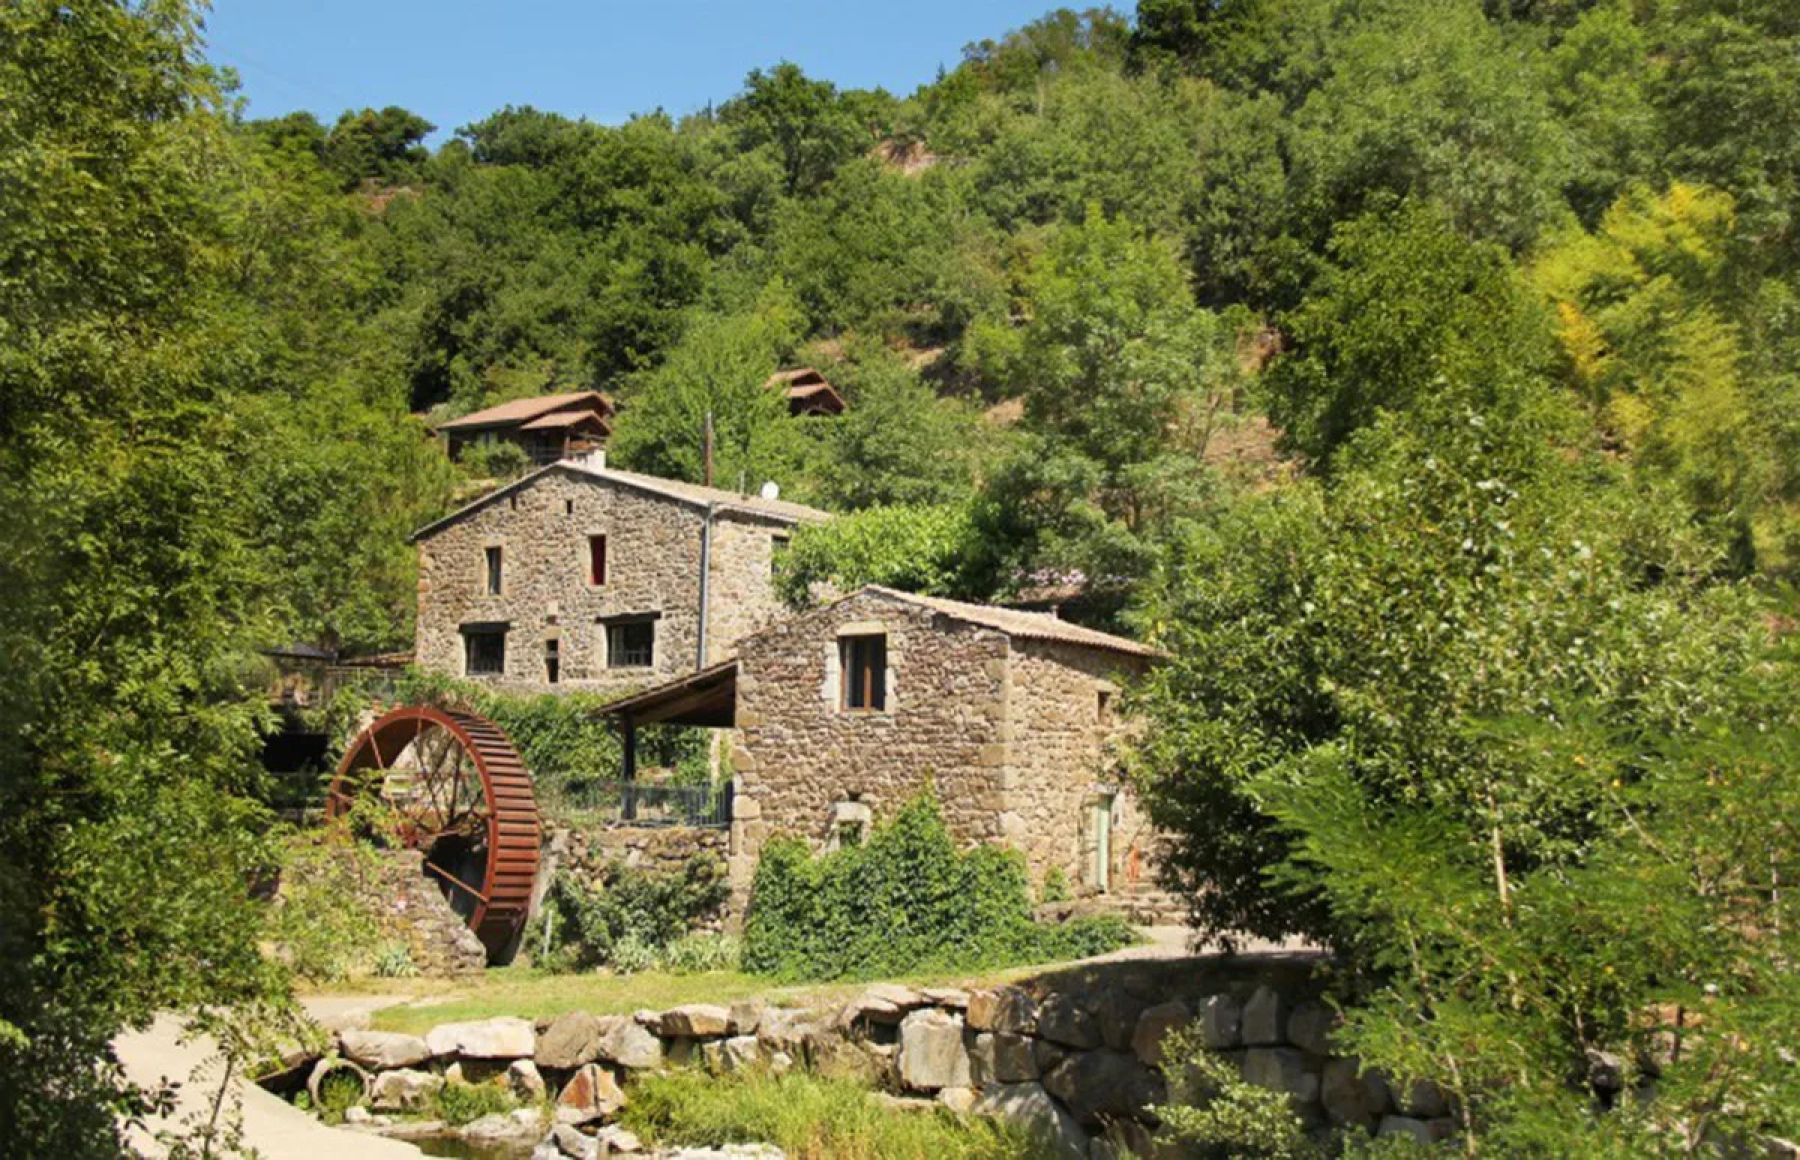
(542, 529)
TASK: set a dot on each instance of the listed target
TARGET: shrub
(321, 924)
(903, 901)
(631, 917)
(463, 1103)
(701, 952)
(1055, 887)
(1214, 1111)
(498, 461)
(805, 1115)
(395, 961)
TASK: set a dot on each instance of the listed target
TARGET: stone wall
(411, 909)
(1073, 1056)
(797, 754)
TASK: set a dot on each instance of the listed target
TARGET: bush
(1214, 1111)
(804, 1115)
(699, 953)
(499, 461)
(906, 900)
(630, 918)
(464, 1103)
(321, 925)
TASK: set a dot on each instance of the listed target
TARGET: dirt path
(273, 1127)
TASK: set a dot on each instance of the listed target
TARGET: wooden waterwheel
(459, 793)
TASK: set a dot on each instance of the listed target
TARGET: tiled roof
(1031, 625)
(519, 410)
(558, 419)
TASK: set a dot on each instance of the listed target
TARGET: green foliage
(339, 1091)
(500, 461)
(701, 953)
(629, 918)
(904, 900)
(804, 1115)
(322, 925)
(1055, 887)
(1213, 1111)
(460, 1103)
(915, 549)
(394, 961)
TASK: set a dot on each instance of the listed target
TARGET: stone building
(582, 577)
(1010, 718)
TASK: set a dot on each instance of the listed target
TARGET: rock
(357, 1115)
(746, 1016)
(679, 1052)
(1352, 1098)
(332, 1065)
(571, 1039)
(1404, 1126)
(1311, 1025)
(780, 1063)
(500, 1131)
(1265, 1017)
(1003, 1009)
(1047, 1055)
(383, 1050)
(1104, 1084)
(503, 1038)
(591, 1094)
(954, 998)
(626, 1043)
(1606, 1072)
(981, 1057)
(932, 1054)
(960, 1100)
(1030, 1107)
(786, 1029)
(1013, 1058)
(338, 1022)
(1221, 1022)
(1062, 1019)
(739, 1053)
(1155, 1025)
(697, 1021)
(404, 1090)
(1422, 1100)
(1282, 1069)
(573, 1143)
(882, 1003)
(546, 1150)
(617, 1139)
(523, 1079)
(1117, 1013)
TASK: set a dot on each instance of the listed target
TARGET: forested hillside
(1424, 375)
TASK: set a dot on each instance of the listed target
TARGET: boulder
(572, 1142)
(1064, 1019)
(570, 1040)
(1117, 1013)
(739, 1053)
(1047, 1055)
(383, 1050)
(1104, 1084)
(951, 998)
(1311, 1025)
(1003, 1009)
(697, 1021)
(746, 1016)
(1353, 1098)
(1155, 1025)
(617, 1139)
(1221, 1022)
(1404, 1126)
(1265, 1018)
(1422, 1100)
(627, 1043)
(1015, 1058)
(1030, 1107)
(404, 1090)
(1606, 1072)
(960, 1100)
(787, 1029)
(503, 1038)
(524, 1081)
(591, 1094)
(1282, 1069)
(932, 1054)
(981, 1057)
(503, 1132)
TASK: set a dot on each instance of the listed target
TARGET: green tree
(385, 146)
(808, 124)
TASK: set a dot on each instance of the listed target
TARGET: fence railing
(640, 804)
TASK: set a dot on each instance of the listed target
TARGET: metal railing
(640, 804)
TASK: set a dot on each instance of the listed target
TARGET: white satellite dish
(771, 490)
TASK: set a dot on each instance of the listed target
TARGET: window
(596, 560)
(863, 662)
(568, 507)
(493, 570)
(484, 652)
(552, 661)
(631, 644)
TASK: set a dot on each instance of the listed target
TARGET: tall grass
(809, 1117)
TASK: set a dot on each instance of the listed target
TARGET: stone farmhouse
(582, 577)
(841, 714)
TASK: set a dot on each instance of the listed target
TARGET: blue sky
(455, 61)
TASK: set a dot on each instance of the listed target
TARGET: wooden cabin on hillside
(548, 427)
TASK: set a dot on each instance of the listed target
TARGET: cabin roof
(519, 411)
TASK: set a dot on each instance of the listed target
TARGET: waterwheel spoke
(454, 880)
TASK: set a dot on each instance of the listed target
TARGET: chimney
(595, 459)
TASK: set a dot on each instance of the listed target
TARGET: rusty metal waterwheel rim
(472, 794)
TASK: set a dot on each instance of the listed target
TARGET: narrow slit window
(494, 565)
(552, 661)
(863, 661)
(596, 560)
